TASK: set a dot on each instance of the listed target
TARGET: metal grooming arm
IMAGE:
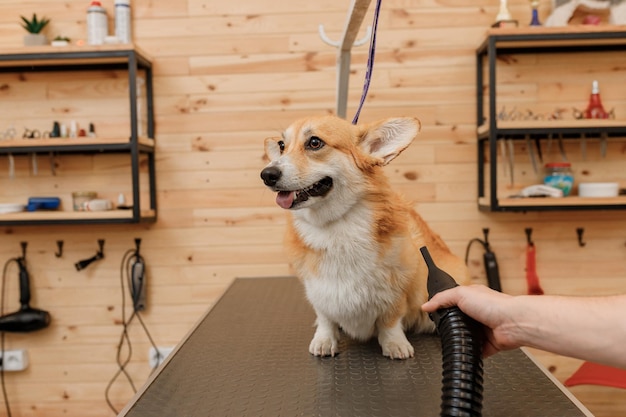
(357, 12)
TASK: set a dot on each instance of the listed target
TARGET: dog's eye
(281, 145)
(315, 143)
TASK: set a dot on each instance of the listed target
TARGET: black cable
(469, 245)
(128, 260)
(489, 260)
(2, 350)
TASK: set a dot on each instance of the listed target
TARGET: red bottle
(594, 108)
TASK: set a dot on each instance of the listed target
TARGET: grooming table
(248, 356)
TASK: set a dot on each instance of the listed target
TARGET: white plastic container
(97, 23)
(122, 21)
(598, 189)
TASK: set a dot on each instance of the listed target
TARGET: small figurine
(534, 21)
(503, 13)
(504, 17)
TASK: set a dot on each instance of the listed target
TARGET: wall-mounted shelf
(126, 58)
(490, 130)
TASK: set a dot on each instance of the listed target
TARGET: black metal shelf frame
(519, 43)
(130, 60)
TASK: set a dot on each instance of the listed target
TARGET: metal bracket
(337, 44)
(357, 12)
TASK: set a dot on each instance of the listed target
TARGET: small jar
(79, 198)
(559, 175)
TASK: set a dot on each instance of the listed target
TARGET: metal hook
(337, 44)
(580, 231)
(529, 232)
(486, 234)
(59, 251)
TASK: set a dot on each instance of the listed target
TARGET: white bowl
(598, 189)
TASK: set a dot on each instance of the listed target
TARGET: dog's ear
(272, 148)
(386, 139)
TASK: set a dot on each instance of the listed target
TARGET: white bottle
(97, 23)
(122, 21)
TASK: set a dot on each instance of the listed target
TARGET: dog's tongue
(285, 198)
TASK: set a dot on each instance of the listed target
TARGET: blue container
(559, 175)
(43, 203)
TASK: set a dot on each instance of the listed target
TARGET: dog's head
(327, 158)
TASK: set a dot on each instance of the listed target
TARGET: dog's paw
(323, 346)
(398, 350)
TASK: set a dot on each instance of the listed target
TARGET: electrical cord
(2, 334)
(489, 259)
(130, 258)
(469, 245)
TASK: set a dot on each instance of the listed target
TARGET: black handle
(24, 283)
(492, 270)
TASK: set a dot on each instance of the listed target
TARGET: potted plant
(34, 26)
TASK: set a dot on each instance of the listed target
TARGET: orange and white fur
(353, 241)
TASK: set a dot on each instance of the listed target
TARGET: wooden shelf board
(553, 124)
(543, 31)
(556, 202)
(12, 143)
(42, 215)
(54, 50)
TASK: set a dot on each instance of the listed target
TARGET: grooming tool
(461, 344)
(532, 280)
(34, 164)
(11, 166)
(562, 148)
(511, 147)
(26, 319)
(549, 145)
(505, 157)
(538, 147)
(531, 154)
(603, 144)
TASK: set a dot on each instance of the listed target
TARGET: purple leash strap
(370, 63)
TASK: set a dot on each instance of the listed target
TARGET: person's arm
(590, 328)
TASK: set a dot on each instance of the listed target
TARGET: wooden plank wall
(228, 74)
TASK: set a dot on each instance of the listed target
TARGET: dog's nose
(271, 175)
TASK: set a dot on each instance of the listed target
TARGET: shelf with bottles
(76, 217)
(80, 144)
(124, 121)
(47, 56)
(508, 76)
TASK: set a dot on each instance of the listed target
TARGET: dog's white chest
(347, 284)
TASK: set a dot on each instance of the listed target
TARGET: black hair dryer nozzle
(26, 319)
(461, 346)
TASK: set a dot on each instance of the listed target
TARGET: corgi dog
(352, 240)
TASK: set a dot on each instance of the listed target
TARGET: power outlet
(14, 360)
(155, 359)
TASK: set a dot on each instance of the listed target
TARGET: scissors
(10, 133)
(31, 134)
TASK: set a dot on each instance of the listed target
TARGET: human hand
(491, 308)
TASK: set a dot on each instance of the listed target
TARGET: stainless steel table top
(248, 356)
